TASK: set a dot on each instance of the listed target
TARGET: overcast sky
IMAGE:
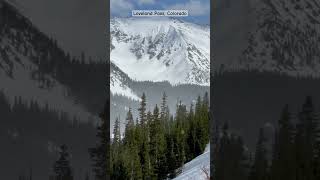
(78, 25)
(199, 10)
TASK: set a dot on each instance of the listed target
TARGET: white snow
(161, 49)
(118, 85)
(21, 84)
(194, 170)
(117, 88)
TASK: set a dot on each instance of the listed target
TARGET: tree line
(31, 132)
(295, 151)
(156, 144)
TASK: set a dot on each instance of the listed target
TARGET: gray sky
(78, 25)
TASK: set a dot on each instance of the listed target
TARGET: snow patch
(194, 170)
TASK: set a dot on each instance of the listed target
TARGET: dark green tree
(144, 148)
(157, 145)
(283, 163)
(131, 157)
(118, 166)
(229, 157)
(62, 168)
(100, 154)
(259, 170)
(306, 141)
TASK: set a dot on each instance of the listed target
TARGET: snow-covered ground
(117, 87)
(195, 169)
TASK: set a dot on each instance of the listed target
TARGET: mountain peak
(161, 49)
(285, 39)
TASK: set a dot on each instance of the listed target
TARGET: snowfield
(161, 49)
(194, 170)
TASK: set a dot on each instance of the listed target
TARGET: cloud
(121, 7)
(195, 7)
(141, 2)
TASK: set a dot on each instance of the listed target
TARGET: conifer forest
(156, 144)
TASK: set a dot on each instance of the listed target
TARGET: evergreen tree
(117, 156)
(180, 134)
(116, 141)
(144, 148)
(131, 158)
(305, 141)
(283, 160)
(100, 153)
(229, 156)
(205, 121)
(221, 156)
(142, 110)
(259, 169)
(191, 135)
(171, 157)
(164, 106)
(157, 145)
(62, 167)
(274, 170)
(129, 131)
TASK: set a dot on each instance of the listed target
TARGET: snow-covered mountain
(161, 49)
(22, 52)
(285, 38)
(46, 99)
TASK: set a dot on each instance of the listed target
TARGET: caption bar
(172, 13)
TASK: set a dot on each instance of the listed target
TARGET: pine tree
(142, 110)
(259, 169)
(129, 131)
(283, 159)
(157, 145)
(229, 157)
(274, 170)
(163, 106)
(131, 158)
(116, 134)
(118, 166)
(305, 141)
(100, 154)
(144, 148)
(62, 167)
(153, 119)
(205, 120)
(201, 118)
(191, 135)
(171, 157)
(180, 134)
(221, 168)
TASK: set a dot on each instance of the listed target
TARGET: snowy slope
(16, 71)
(161, 49)
(19, 66)
(194, 170)
(118, 85)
